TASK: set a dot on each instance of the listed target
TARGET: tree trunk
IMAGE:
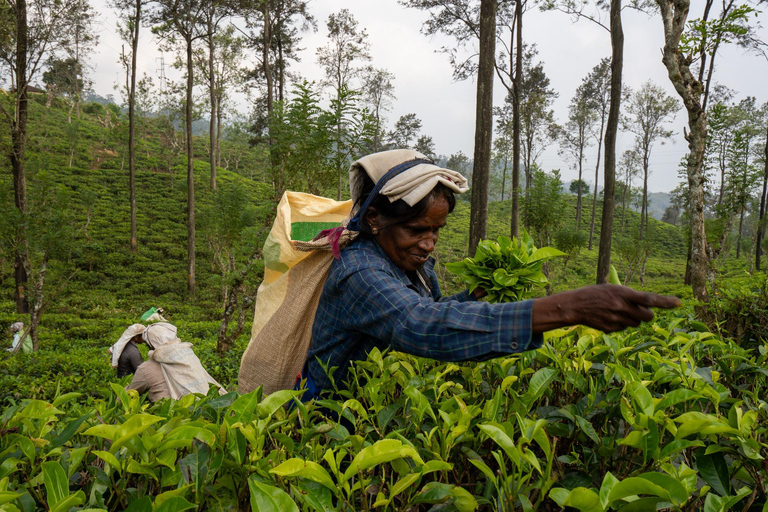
(232, 304)
(597, 175)
(266, 66)
(738, 235)
(504, 180)
(674, 14)
(516, 120)
(214, 104)
(37, 308)
(609, 188)
(218, 130)
(644, 207)
(190, 177)
(478, 222)
(132, 129)
(761, 218)
(578, 192)
(18, 153)
(594, 208)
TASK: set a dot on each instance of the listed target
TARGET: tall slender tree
(185, 19)
(36, 35)
(537, 118)
(463, 20)
(682, 44)
(761, 213)
(576, 136)
(378, 94)
(647, 112)
(347, 46)
(511, 77)
(478, 217)
(611, 130)
(597, 89)
(130, 14)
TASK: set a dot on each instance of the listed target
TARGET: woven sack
(287, 299)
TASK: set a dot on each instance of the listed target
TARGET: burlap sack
(287, 299)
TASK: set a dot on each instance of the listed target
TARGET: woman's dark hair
(399, 211)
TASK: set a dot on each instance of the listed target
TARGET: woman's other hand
(606, 307)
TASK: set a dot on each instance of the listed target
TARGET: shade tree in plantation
(378, 93)
(300, 129)
(470, 22)
(405, 133)
(63, 78)
(648, 111)
(426, 146)
(341, 60)
(80, 40)
(595, 88)
(218, 64)
(504, 153)
(509, 68)
(577, 135)
(231, 229)
(742, 160)
(544, 205)
(181, 24)
(595, 12)
(461, 163)
(171, 108)
(272, 30)
(130, 14)
(537, 118)
(689, 52)
(721, 119)
(733, 154)
(47, 233)
(629, 168)
(763, 194)
(35, 32)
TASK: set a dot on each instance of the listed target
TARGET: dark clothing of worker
(130, 359)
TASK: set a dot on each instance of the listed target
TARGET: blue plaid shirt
(369, 302)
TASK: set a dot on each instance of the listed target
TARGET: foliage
(740, 309)
(668, 413)
(508, 269)
(544, 204)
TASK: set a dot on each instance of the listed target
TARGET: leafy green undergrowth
(668, 416)
(73, 352)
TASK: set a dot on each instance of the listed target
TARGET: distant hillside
(657, 201)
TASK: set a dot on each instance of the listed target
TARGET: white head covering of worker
(398, 174)
(182, 370)
(117, 349)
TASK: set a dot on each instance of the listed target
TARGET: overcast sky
(424, 83)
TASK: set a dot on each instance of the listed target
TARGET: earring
(375, 231)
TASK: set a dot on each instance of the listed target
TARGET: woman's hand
(606, 307)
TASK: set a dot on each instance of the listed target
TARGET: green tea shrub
(739, 309)
(667, 416)
(508, 269)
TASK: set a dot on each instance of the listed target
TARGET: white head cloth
(118, 347)
(182, 370)
(411, 185)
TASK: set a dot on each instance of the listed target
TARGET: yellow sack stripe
(287, 298)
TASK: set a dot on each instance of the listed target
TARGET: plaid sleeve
(464, 296)
(448, 330)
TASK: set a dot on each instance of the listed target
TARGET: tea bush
(668, 416)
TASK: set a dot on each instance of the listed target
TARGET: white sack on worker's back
(182, 370)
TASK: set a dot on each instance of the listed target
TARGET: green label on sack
(306, 231)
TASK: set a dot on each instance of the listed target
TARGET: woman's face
(409, 244)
